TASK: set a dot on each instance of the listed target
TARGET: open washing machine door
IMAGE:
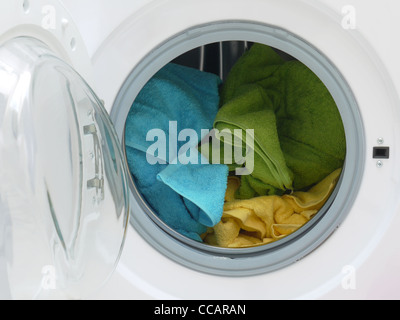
(63, 192)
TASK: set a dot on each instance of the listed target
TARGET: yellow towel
(258, 221)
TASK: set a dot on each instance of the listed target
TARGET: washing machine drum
(63, 193)
(220, 48)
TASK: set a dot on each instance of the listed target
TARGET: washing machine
(73, 223)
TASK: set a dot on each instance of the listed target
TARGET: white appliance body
(361, 258)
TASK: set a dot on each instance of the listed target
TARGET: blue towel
(188, 198)
(203, 185)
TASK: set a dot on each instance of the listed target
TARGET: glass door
(63, 192)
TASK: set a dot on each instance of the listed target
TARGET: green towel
(298, 132)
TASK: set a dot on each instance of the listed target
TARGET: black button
(381, 153)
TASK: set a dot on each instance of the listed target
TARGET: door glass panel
(63, 180)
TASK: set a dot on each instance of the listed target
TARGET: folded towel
(298, 132)
(188, 198)
(203, 185)
(262, 220)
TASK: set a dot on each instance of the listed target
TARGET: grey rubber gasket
(251, 261)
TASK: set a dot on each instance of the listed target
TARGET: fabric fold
(203, 185)
(262, 220)
(299, 134)
(164, 126)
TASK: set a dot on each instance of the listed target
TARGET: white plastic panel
(373, 219)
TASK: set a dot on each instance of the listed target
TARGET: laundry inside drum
(235, 145)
